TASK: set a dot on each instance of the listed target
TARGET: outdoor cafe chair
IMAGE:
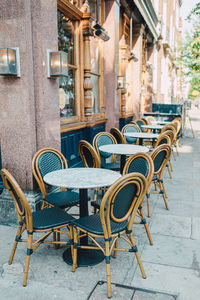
(150, 119)
(106, 138)
(131, 127)
(48, 160)
(140, 122)
(160, 157)
(89, 157)
(170, 127)
(118, 135)
(115, 220)
(142, 163)
(165, 139)
(46, 221)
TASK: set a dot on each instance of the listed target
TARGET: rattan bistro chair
(47, 160)
(106, 138)
(90, 158)
(142, 163)
(115, 220)
(118, 135)
(160, 157)
(44, 221)
(150, 119)
(165, 139)
(131, 128)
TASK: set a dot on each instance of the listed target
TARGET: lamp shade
(8, 61)
(58, 64)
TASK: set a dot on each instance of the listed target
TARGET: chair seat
(63, 199)
(93, 224)
(50, 217)
(111, 166)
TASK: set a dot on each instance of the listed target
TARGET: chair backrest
(163, 139)
(177, 122)
(44, 161)
(118, 135)
(168, 127)
(104, 138)
(21, 204)
(88, 155)
(150, 119)
(140, 122)
(131, 127)
(160, 157)
(171, 134)
(140, 163)
(121, 202)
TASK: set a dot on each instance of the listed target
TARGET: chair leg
(137, 257)
(54, 239)
(170, 166)
(169, 171)
(74, 256)
(164, 196)
(173, 154)
(108, 276)
(146, 226)
(115, 251)
(148, 204)
(58, 239)
(163, 186)
(29, 252)
(15, 244)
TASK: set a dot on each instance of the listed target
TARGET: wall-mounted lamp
(121, 82)
(100, 32)
(9, 62)
(57, 64)
(133, 57)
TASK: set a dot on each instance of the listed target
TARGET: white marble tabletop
(160, 123)
(153, 126)
(82, 178)
(143, 135)
(123, 149)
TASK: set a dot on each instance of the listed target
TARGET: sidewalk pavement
(172, 264)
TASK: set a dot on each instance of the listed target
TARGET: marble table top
(82, 178)
(123, 149)
(153, 126)
(143, 135)
(160, 123)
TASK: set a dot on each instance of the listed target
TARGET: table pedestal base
(85, 257)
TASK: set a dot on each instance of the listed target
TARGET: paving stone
(140, 295)
(195, 228)
(171, 225)
(173, 280)
(173, 251)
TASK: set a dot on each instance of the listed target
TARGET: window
(66, 43)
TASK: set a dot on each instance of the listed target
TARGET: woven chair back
(177, 122)
(44, 161)
(140, 122)
(140, 163)
(118, 135)
(168, 127)
(131, 127)
(88, 155)
(163, 139)
(103, 138)
(160, 157)
(150, 119)
(121, 202)
(21, 204)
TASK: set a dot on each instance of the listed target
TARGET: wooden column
(87, 85)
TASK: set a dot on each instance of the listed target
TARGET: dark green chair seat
(63, 199)
(93, 224)
(50, 217)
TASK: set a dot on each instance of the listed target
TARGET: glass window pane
(67, 95)
(67, 83)
(95, 94)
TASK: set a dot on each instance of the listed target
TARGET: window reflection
(67, 84)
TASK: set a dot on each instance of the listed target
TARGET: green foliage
(191, 53)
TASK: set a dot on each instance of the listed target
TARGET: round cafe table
(82, 179)
(153, 127)
(123, 150)
(142, 136)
